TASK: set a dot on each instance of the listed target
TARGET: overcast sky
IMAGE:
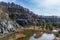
(40, 7)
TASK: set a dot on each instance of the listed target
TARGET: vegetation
(12, 36)
(28, 34)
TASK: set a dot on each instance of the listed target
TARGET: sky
(40, 7)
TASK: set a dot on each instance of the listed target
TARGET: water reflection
(45, 36)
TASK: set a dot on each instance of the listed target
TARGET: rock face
(7, 27)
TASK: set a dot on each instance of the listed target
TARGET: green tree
(49, 26)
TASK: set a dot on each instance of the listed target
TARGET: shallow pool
(45, 36)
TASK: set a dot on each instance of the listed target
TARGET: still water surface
(44, 36)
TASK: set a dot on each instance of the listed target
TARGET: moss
(12, 36)
(28, 33)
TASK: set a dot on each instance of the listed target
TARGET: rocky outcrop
(7, 27)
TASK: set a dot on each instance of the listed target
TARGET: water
(45, 36)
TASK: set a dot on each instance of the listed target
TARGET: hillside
(25, 17)
(13, 16)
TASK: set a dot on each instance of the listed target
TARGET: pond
(45, 36)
